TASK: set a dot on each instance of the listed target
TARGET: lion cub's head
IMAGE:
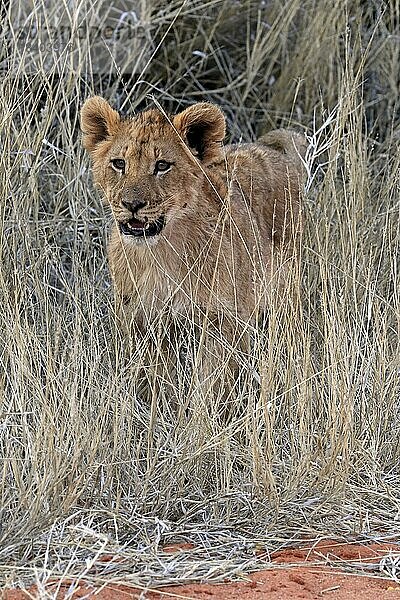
(151, 167)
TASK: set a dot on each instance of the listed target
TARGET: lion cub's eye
(162, 166)
(118, 164)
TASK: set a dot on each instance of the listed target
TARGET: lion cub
(198, 226)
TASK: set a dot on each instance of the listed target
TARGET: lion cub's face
(151, 167)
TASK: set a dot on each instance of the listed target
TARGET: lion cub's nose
(133, 205)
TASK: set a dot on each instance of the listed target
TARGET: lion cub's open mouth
(141, 229)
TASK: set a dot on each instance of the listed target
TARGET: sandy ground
(295, 573)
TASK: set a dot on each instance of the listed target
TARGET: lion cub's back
(269, 175)
(280, 148)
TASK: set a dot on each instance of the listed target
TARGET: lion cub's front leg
(150, 334)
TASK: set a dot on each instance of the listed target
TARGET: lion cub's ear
(98, 122)
(202, 126)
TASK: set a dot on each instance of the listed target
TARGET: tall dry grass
(90, 465)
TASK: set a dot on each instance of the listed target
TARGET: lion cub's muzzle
(140, 228)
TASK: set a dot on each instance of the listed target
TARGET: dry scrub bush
(90, 466)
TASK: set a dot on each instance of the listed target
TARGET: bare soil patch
(328, 569)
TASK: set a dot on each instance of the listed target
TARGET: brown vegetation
(89, 464)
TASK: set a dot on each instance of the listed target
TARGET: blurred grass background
(90, 467)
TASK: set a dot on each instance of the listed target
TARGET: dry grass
(90, 467)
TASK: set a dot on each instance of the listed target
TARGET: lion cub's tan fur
(231, 214)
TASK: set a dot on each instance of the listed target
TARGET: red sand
(309, 581)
